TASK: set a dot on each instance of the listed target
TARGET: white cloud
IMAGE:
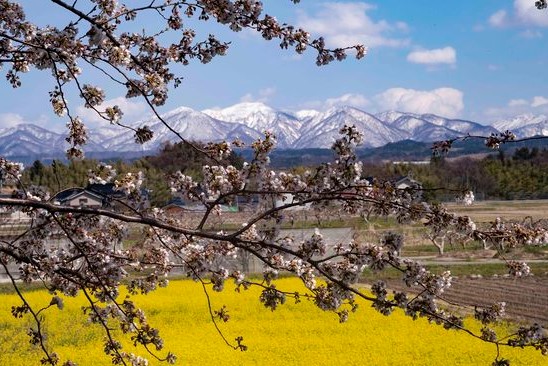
(263, 96)
(446, 55)
(530, 34)
(8, 120)
(402, 26)
(539, 101)
(133, 111)
(517, 102)
(536, 105)
(527, 13)
(346, 24)
(447, 102)
(498, 19)
(353, 100)
(524, 13)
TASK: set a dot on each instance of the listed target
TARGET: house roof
(62, 196)
(83, 193)
(406, 178)
(105, 190)
(176, 201)
(100, 190)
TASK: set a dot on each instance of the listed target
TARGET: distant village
(107, 196)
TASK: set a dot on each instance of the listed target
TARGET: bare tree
(92, 261)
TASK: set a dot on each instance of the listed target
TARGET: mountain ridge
(247, 122)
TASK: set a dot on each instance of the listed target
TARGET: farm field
(486, 211)
(526, 299)
(292, 335)
(479, 271)
(483, 213)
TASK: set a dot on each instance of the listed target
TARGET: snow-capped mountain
(246, 121)
(306, 114)
(430, 127)
(28, 139)
(322, 129)
(391, 116)
(524, 125)
(519, 121)
(261, 118)
(532, 129)
(189, 124)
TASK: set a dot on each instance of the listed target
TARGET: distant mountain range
(300, 130)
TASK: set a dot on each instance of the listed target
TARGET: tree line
(171, 157)
(522, 175)
(500, 176)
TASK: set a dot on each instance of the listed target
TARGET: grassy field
(292, 335)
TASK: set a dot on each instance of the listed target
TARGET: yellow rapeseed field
(292, 335)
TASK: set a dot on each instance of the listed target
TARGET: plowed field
(526, 298)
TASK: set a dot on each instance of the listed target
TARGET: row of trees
(170, 159)
(523, 175)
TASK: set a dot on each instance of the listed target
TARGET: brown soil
(526, 298)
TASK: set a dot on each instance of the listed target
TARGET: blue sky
(475, 59)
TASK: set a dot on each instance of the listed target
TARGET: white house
(79, 198)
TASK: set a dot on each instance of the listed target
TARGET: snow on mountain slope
(190, 124)
(254, 115)
(247, 121)
(460, 126)
(392, 116)
(31, 130)
(453, 127)
(322, 130)
(430, 127)
(28, 139)
(518, 122)
(430, 133)
(409, 124)
(261, 117)
(306, 114)
(533, 129)
(98, 136)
